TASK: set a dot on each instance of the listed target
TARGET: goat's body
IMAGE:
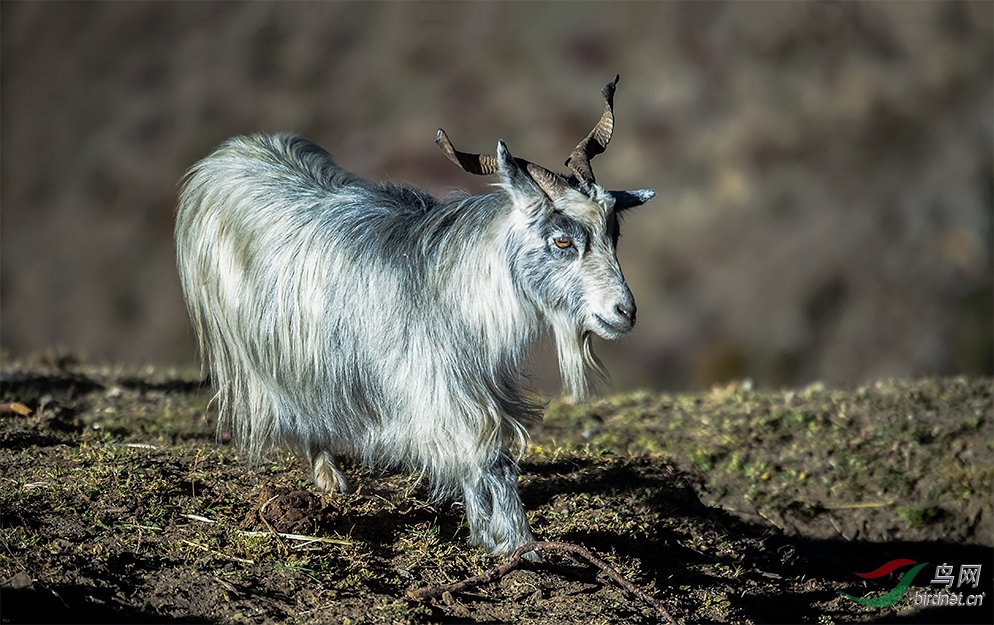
(347, 318)
(351, 319)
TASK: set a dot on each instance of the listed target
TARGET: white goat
(352, 319)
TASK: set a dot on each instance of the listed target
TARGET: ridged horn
(551, 183)
(479, 164)
(597, 140)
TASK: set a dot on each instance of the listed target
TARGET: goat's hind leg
(327, 476)
(496, 516)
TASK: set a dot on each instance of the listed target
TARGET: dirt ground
(736, 505)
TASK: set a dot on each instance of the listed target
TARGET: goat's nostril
(628, 312)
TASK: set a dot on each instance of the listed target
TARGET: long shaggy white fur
(351, 319)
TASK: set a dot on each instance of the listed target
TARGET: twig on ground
(262, 515)
(16, 408)
(308, 539)
(227, 586)
(859, 506)
(837, 528)
(515, 559)
(193, 482)
(771, 521)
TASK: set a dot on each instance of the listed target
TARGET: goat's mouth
(611, 330)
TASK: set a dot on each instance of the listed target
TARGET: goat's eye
(563, 242)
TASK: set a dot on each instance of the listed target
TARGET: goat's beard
(579, 366)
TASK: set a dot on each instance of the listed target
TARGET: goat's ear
(624, 200)
(515, 178)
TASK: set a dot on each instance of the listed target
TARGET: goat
(351, 319)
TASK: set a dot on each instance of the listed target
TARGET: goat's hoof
(329, 478)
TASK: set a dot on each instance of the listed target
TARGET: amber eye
(563, 242)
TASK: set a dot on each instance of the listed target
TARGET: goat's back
(317, 299)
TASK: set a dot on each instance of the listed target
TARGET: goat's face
(573, 269)
(567, 259)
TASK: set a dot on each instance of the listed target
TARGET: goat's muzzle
(617, 323)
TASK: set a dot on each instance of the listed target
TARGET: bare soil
(735, 505)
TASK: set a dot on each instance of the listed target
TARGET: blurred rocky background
(824, 170)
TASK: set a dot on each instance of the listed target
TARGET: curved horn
(597, 140)
(485, 164)
(553, 184)
(479, 164)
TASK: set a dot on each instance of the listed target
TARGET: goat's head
(568, 263)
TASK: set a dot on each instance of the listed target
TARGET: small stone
(19, 581)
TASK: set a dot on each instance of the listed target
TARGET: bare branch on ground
(515, 559)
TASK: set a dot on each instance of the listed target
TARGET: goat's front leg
(327, 476)
(496, 517)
